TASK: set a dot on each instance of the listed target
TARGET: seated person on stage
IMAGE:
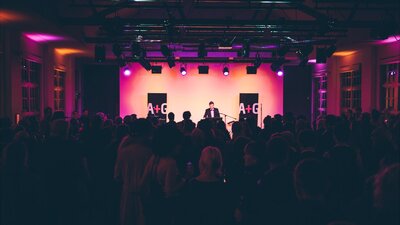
(211, 112)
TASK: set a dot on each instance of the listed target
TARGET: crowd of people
(92, 170)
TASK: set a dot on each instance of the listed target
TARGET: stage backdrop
(194, 91)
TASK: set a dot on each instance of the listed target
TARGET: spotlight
(127, 71)
(226, 71)
(183, 71)
(171, 61)
(257, 61)
(225, 45)
(279, 73)
(303, 53)
(145, 63)
(165, 51)
(276, 65)
(136, 50)
(245, 50)
(282, 51)
(324, 53)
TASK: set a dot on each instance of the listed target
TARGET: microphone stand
(227, 116)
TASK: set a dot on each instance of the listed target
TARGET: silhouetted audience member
(74, 125)
(133, 154)
(311, 185)
(85, 119)
(186, 126)
(254, 168)
(171, 120)
(276, 198)
(207, 199)
(64, 177)
(161, 179)
(386, 196)
(344, 171)
(45, 123)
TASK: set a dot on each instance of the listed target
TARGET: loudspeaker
(203, 69)
(251, 70)
(156, 69)
(100, 53)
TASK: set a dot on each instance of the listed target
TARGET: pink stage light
(279, 73)
(127, 71)
(39, 37)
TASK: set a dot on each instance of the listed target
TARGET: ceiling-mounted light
(276, 66)
(127, 71)
(245, 50)
(282, 51)
(183, 71)
(136, 50)
(145, 63)
(165, 51)
(171, 61)
(225, 44)
(225, 71)
(303, 53)
(257, 61)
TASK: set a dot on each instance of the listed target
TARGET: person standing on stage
(211, 112)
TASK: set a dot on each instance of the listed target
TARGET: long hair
(211, 161)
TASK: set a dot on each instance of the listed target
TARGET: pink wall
(193, 91)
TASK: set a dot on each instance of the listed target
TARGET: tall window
(350, 85)
(59, 90)
(30, 86)
(389, 76)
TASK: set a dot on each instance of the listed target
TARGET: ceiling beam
(216, 22)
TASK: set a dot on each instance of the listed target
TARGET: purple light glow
(127, 71)
(279, 73)
(389, 40)
(38, 37)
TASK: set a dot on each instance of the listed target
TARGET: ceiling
(223, 29)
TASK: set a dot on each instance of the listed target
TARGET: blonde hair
(211, 161)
